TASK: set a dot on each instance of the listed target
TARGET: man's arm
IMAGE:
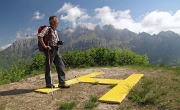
(40, 39)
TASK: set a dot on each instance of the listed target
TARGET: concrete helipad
(115, 95)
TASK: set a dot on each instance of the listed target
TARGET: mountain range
(163, 47)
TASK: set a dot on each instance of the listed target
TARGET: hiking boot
(63, 86)
(50, 86)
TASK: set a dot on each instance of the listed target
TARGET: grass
(159, 89)
(88, 105)
(141, 95)
(93, 98)
(91, 103)
(2, 107)
(67, 106)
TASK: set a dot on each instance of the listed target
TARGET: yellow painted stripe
(100, 81)
(119, 92)
(69, 82)
(115, 95)
(93, 74)
(46, 90)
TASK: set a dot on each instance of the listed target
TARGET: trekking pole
(50, 73)
(69, 68)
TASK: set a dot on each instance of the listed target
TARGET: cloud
(73, 14)
(4, 47)
(151, 22)
(29, 31)
(120, 19)
(38, 15)
(19, 35)
(155, 22)
(87, 24)
(24, 33)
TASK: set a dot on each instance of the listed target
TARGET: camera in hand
(60, 43)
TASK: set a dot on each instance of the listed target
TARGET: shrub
(38, 62)
(17, 72)
(103, 57)
(14, 73)
(77, 58)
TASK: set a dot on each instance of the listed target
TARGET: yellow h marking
(115, 95)
(119, 92)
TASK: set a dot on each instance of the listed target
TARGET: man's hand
(48, 47)
(43, 44)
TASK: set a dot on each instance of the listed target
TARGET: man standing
(52, 49)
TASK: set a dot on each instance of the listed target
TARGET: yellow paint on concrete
(115, 95)
(93, 74)
(101, 81)
(69, 82)
(46, 90)
(119, 92)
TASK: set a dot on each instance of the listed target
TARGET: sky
(20, 18)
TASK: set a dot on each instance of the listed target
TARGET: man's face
(55, 22)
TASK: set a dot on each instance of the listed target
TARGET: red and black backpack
(46, 38)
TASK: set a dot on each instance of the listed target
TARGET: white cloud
(4, 47)
(19, 35)
(155, 22)
(29, 31)
(24, 33)
(38, 15)
(74, 14)
(152, 22)
(108, 16)
(87, 25)
(119, 19)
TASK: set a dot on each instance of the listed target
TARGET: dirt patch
(21, 96)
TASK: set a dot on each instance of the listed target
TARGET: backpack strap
(48, 36)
